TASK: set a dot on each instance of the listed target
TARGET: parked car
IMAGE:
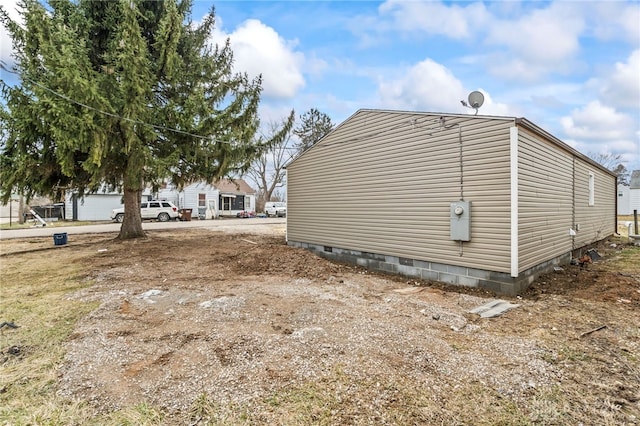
(275, 208)
(162, 211)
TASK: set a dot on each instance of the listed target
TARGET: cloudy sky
(571, 67)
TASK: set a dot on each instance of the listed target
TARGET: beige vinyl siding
(598, 221)
(383, 183)
(545, 178)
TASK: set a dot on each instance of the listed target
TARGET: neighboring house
(624, 199)
(235, 196)
(629, 195)
(634, 191)
(469, 200)
(200, 197)
(223, 198)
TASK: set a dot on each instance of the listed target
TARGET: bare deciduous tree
(612, 162)
(268, 171)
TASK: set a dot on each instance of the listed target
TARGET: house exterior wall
(377, 192)
(624, 200)
(634, 192)
(634, 196)
(629, 195)
(554, 198)
(383, 182)
(545, 206)
(188, 199)
(595, 221)
(92, 207)
(248, 201)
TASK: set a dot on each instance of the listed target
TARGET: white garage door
(97, 206)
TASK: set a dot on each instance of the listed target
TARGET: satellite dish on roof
(476, 99)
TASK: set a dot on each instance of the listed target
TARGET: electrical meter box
(461, 221)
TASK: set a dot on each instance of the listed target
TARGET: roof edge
(521, 121)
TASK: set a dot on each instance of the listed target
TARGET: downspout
(615, 212)
(573, 205)
(461, 171)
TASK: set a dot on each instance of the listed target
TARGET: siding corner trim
(513, 148)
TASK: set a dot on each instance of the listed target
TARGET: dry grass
(341, 399)
(33, 294)
(598, 386)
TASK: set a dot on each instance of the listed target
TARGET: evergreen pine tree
(122, 95)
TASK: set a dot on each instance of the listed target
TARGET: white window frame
(592, 189)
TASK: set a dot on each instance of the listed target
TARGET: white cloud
(544, 41)
(430, 86)
(259, 49)
(519, 43)
(427, 85)
(6, 46)
(597, 122)
(623, 86)
(543, 36)
(615, 20)
(435, 18)
(599, 128)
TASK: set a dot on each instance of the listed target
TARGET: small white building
(634, 191)
(624, 199)
(91, 207)
(629, 195)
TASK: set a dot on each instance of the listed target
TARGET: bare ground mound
(224, 328)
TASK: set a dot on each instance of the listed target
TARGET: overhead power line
(109, 114)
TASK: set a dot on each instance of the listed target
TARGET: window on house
(238, 203)
(232, 203)
(592, 189)
(202, 200)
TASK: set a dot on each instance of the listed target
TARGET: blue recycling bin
(60, 239)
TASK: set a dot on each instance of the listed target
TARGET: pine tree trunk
(132, 223)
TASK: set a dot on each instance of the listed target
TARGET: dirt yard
(235, 328)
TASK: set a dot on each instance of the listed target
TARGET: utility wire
(411, 122)
(73, 101)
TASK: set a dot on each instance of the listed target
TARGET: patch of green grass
(628, 260)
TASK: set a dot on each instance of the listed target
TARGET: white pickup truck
(275, 208)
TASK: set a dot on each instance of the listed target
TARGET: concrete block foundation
(499, 282)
